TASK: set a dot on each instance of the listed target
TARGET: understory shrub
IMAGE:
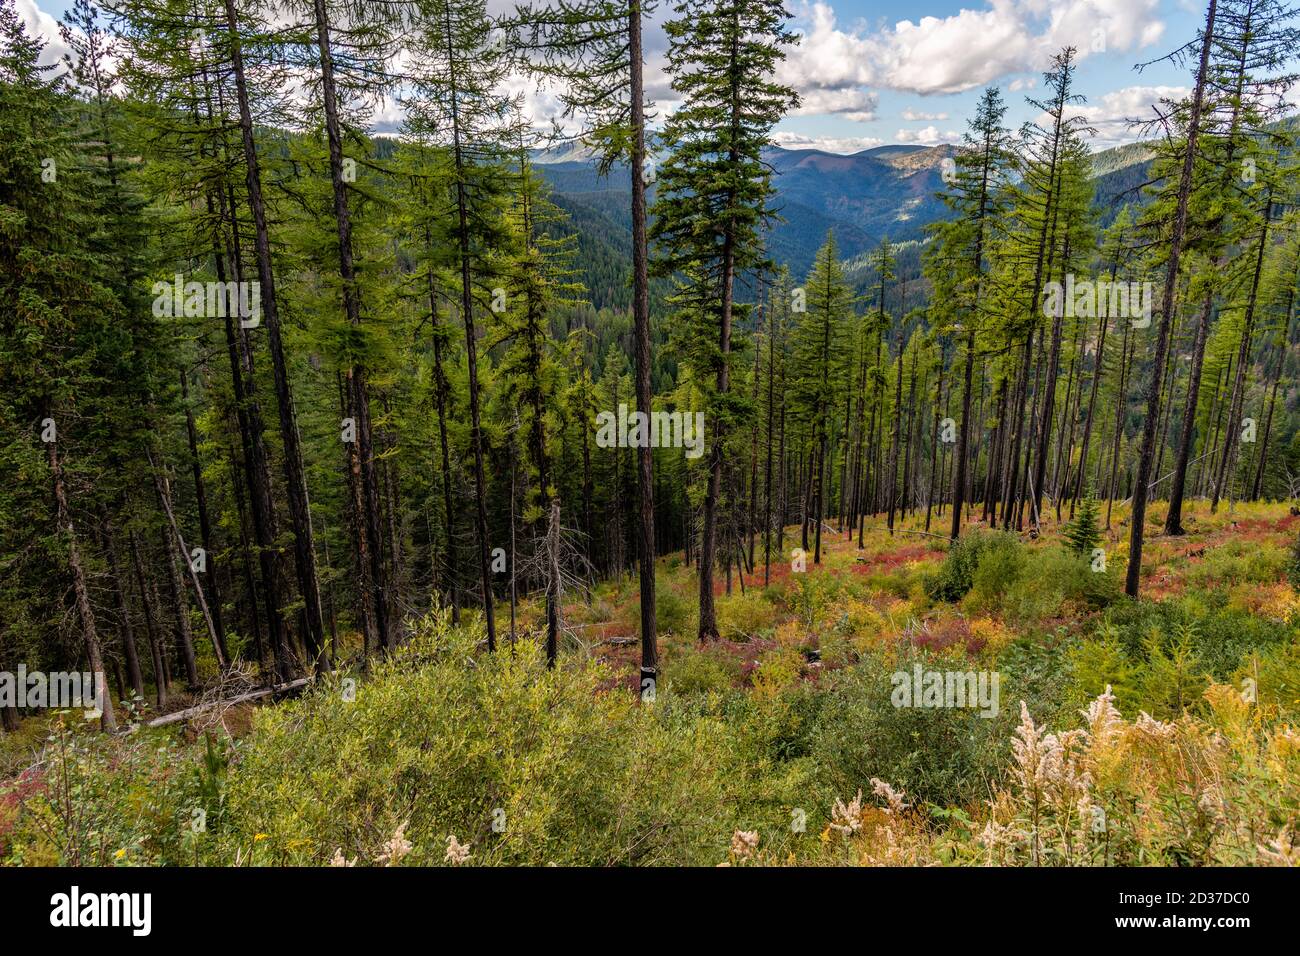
(945, 755)
(956, 575)
(519, 763)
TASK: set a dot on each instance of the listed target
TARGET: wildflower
(891, 796)
(457, 853)
(119, 854)
(339, 860)
(847, 819)
(396, 848)
(258, 837)
(1211, 807)
(1104, 720)
(995, 835)
(1036, 754)
(744, 843)
(1149, 726)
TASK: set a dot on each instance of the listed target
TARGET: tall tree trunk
(934, 444)
(1262, 458)
(553, 583)
(248, 415)
(80, 587)
(129, 651)
(708, 623)
(294, 473)
(891, 480)
(163, 488)
(471, 344)
(767, 468)
(181, 607)
(440, 400)
(1232, 439)
(1121, 406)
(368, 526)
(205, 526)
(1132, 581)
(751, 518)
(1097, 371)
(153, 624)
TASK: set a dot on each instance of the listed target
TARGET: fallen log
(189, 712)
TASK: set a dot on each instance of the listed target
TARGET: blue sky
(874, 72)
(923, 63)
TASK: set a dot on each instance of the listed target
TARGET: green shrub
(744, 616)
(1100, 662)
(1172, 680)
(447, 740)
(944, 755)
(1002, 562)
(1293, 563)
(1220, 639)
(1239, 561)
(956, 575)
(811, 596)
(1275, 673)
(674, 614)
(1055, 582)
(96, 800)
(1081, 532)
(1040, 671)
(700, 670)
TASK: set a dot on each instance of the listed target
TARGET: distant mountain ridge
(884, 192)
(888, 191)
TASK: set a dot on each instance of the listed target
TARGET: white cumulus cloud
(1113, 114)
(829, 144)
(912, 115)
(929, 136)
(967, 49)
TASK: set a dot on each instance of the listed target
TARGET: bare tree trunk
(80, 588)
(708, 624)
(767, 468)
(129, 651)
(1232, 438)
(162, 486)
(641, 337)
(1098, 370)
(205, 527)
(1117, 437)
(553, 583)
(153, 623)
(1257, 485)
(182, 611)
(440, 400)
(891, 480)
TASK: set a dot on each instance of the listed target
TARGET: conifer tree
(818, 353)
(957, 263)
(715, 190)
(596, 50)
(459, 65)
(1177, 235)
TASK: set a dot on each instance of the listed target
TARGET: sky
(878, 72)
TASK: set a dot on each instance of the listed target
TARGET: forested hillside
(456, 496)
(886, 192)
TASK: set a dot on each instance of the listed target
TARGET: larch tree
(715, 190)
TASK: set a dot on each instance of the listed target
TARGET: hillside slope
(886, 192)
